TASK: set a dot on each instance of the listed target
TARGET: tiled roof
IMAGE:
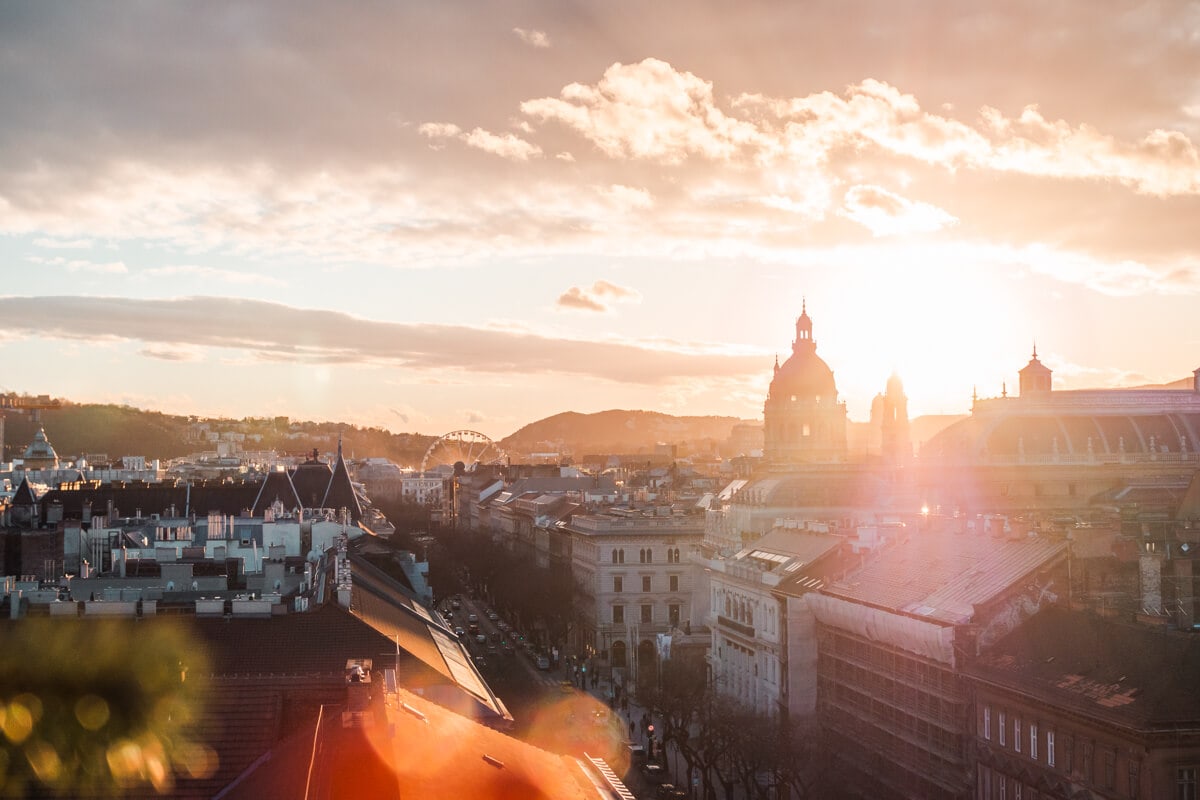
(411, 748)
(943, 576)
(1118, 672)
(276, 486)
(339, 493)
(801, 545)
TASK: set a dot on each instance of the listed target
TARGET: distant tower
(1035, 378)
(40, 453)
(890, 412)
(803, 420)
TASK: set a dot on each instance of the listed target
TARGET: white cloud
(533, 38)
(885, 213)
(596, 297)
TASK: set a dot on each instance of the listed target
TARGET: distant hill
(114, 431)
(620, 431)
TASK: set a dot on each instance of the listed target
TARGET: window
(1185, 783)
(987, 722)
(645, 583)
(1016, 791)
(674, 579)
(1003, 781)
(618, 583)
(1050, 748)
(1110, 768)
(1003, 729)
(1017, 734)
(618, 615)
(649, 556)
(673, 614)
(805, 431)
(1033, 740)
(647, 614)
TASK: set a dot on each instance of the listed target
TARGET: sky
(430, 216)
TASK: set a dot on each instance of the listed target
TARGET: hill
(107, 432)
(619, 431)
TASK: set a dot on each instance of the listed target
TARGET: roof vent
(495, 762)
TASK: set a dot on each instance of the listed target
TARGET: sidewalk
(634, 713)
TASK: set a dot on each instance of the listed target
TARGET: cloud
(181, 354)
(885, 213)
(276, 333)
(505, 145)
(211, 274)
(647, 110)
(591, 298)
(533, 38)
(63, 244)
(106, 268)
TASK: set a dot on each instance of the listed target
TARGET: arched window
(621, 555)
(727, 610)
(618, 654)
(649, 556)
(749, 615)
(642, 556)
(614, 555)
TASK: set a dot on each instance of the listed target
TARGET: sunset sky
(439, 215)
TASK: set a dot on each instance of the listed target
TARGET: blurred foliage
(94, 707)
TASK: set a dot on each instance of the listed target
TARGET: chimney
(358, 684)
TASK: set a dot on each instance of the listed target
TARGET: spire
(1035, 349)
(804, 338)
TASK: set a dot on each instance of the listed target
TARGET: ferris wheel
(472, 448)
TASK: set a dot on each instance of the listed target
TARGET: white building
(635, 576)
(763, 652)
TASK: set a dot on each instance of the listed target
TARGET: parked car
(653, 773)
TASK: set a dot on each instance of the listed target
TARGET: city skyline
(428, 217)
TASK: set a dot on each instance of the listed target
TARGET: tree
(88, 707)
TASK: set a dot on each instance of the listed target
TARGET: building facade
(634, 573)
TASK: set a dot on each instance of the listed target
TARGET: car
(543, 662)
(480, 639)
(448, 615)
(460, 633)
(566, 687)
(491, 648)
(473, 628)
(669, 791)
(472, 618)
(456, 604)
(480, 662)
(653, 773)
(502, 625)
(493, 616)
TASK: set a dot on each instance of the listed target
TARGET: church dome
(805, 375)
(40, 453)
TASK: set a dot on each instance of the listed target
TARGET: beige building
(634, 574)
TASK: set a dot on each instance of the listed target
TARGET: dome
(804, 375)
(40, 453)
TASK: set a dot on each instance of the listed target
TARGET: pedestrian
(631, 727)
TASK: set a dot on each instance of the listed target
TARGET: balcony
(740, 627)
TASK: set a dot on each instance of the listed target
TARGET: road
(548, 711)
